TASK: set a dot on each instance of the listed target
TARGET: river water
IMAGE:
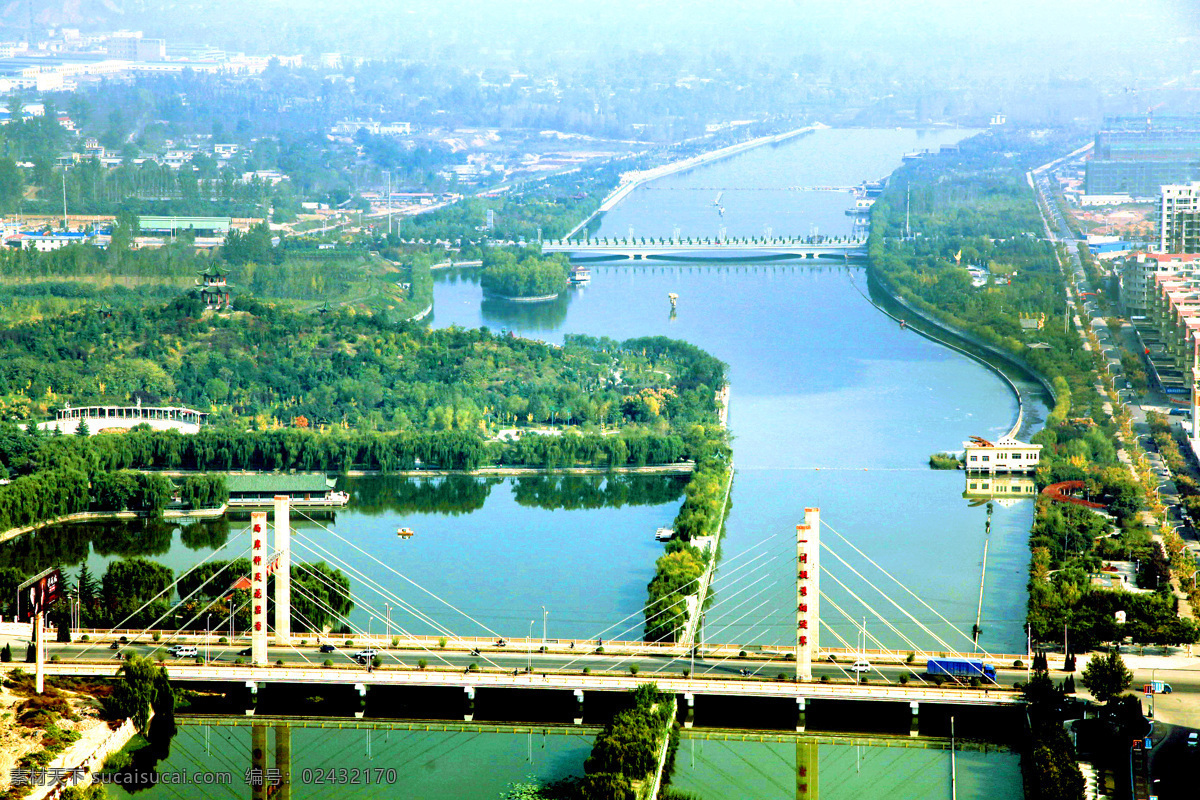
(833, 405)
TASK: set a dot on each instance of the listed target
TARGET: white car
(366, 654)
(862, 665)
(1191, 740)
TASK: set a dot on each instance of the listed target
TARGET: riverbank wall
(992, 361)
(636, 179)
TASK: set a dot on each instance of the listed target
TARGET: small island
(524, 274)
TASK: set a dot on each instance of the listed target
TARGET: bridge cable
(901, 585)
(375, 615)
(377, 587)
(386, 594)
(387, 566)
(726, 598)
(683, 599)
(919, 624)
(879, 616)
(641, 612)
(168, 588)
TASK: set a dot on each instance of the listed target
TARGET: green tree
(1106, 676)
(143, 686)
(6, 654)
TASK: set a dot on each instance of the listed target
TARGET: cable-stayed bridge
(423, 648)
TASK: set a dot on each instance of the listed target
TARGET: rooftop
(278, 482)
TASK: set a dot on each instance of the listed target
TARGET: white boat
(664, 534)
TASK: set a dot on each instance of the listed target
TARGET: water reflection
(459, 494)
(70, 543)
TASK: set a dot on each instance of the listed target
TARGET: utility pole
(64, 188)
(389, 202)
(544, 613)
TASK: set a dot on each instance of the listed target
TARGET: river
(833, 405)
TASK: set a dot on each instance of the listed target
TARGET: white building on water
(1004, 455)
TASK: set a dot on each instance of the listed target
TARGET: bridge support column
(258, 588)
(689, 715)
(469, 707)
(251, 698)
(283, 762)
(801, 708)
(807, 776)
(578, 707)
(914, 725)
(258, 762)
(283, 571)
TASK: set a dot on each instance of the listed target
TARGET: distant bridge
(759, 248)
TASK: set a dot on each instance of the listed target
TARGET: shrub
(156, 636)
(442, 642)
(687, 672)
(304, 642)
(422, 663)
(473, 667)
(904, 679)
(395, 641)
(6, 654)
(349, 643)
(824, 679)
(222, 640)
(911, 657)
(279, 663)
(376, 661)
(587, 670)
(199, 659)
(328, 663)
(741, 653)
(85, 638)
(633, 669)
(600, 649)
(54, 657)
(1019, 663)
(239, 661)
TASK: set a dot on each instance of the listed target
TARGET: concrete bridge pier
(251, 698)
(807, 783)
(801, 708)
(689, 716)
(469, 707)
(258, 762)
(361, 688)
(578, 719)
(913, 725)
(283, 762)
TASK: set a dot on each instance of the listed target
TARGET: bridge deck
(735, 687)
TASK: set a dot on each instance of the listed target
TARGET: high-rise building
(1137, 155)
(1179, 218)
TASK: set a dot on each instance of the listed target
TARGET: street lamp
(529, 646)
(387, 609)
(544, 613)
(207, 617)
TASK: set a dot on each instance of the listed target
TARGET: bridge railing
(382, 641)
(734, 685)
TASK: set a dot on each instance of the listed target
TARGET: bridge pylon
(258, 588)
(283, 571)
(808, 592)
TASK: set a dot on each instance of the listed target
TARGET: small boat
(405, 533)
(903, 324)
(664, 534)
(674, 298)
(580, 275)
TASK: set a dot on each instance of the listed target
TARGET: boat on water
(664, 534)
(405, 533)
(580, 275)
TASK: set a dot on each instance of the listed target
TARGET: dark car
(245, 652)
(328, 648)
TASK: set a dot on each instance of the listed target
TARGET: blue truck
(962, 668)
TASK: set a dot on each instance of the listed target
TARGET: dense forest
(349, 370)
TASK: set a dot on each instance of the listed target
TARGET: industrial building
(1137, 155)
